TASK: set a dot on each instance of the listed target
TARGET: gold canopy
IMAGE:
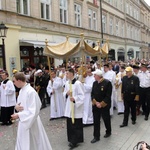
(68, 49)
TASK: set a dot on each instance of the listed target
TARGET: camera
(139, 146)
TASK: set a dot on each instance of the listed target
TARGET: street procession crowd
(81, 93)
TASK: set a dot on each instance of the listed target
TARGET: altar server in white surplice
(55, 91)
(110, 75)
(7, 99)
(88, 114)
(31, 134)
(74, 96)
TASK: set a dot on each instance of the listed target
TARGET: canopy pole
(107, 41)
(66, 62)
(49, 64)
(100, 53)
(48, 59)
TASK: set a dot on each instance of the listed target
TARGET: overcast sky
(148, 2)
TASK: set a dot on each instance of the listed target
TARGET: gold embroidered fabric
(68, 49)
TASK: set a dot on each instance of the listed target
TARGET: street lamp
(3, 32)
(101, 21)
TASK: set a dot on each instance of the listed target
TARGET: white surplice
(78, 95)
(57, 100)
(111, 76)
(88, 114)
(31, 134)
(7, 94)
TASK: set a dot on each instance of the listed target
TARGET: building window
(122, 30)
(23, 7)
(104, 23)
(63, 11)
(121, 5)
(130, 10)
(45, 9)
(128, 31)
(131, 32)
(117, 27)
(137, 15)
(116, 3)
(0, 4)
(92, 19)
(137, 54)
(110, 2)
(111, 26)
(139, 35)
(136, 38)
(127, 8)
(77, 10)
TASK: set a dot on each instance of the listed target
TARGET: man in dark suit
(115, 67)
(101, 99)
(130, 94)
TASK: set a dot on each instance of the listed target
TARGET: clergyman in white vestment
(31, 134)
(55, 91)
(88, 114)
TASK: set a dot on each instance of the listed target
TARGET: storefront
(111, 54)
(121, 55)
(130, 54)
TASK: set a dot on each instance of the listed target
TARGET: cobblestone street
(121, 139)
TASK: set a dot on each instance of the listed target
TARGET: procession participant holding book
(101, 99)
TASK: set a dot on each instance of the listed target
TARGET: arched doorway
(121, 54)
(130, 54)
(111, 54)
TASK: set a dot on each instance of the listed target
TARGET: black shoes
(43, 106)
(146, 118)
(123, 125)
(2, 124)
(95, 140)
(7, 124)
(107, 135)
(52, 119)
(120, 113)
(87, 125)
(72, 146)
(133, 122)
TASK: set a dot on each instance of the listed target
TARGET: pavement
(121, 139)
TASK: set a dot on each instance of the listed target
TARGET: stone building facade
(125, 25)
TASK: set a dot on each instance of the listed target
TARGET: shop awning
(33, 43)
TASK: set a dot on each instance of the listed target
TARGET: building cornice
(92, 4)
(145, 4)
(132, 20)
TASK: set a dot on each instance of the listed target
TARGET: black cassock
(75, 131)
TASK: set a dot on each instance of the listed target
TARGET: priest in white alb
(88, 114)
